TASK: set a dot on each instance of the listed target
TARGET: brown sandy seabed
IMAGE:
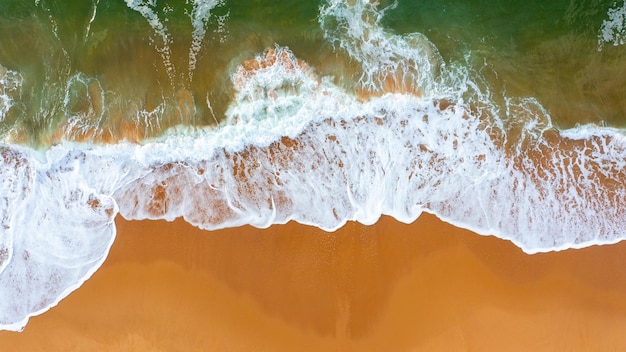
(428, 286)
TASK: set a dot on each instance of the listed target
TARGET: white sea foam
(396, 154)
(84, 105)
(58, 227)
(410, 61)
(147, 8)
(200, 16)
(10, 85)
(295, 146)
(91, 18)
(613, 29)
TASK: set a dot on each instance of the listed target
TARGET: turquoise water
(499, 117)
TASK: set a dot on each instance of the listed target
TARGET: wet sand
(390, 287)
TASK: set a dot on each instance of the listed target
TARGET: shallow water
(502, 118)
(111, 70)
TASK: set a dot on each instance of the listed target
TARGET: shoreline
(390, 286)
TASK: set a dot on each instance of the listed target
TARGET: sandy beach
(427, 286)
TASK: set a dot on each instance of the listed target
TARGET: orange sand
(390, 287)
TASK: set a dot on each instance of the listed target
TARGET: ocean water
(502, 117)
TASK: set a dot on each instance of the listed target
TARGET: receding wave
(419, 135)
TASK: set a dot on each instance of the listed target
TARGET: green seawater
(98, 71)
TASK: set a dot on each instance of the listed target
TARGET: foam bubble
(84, 105)
(91, 18)
(200, 15)
(613, 29)
(10, 84)
(297, 147)
(147, 8)
(57, 228)
(397, 155)
(389, 62)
